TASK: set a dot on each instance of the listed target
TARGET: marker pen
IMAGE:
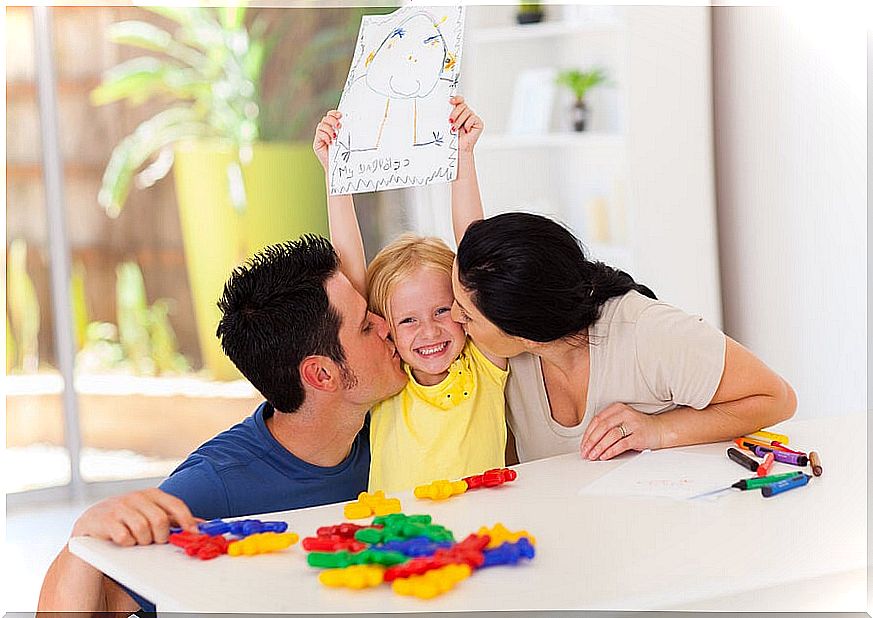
(785, 485)
(815, 462)
(753, 483)
(785, 448)
(749, 444)
(744, 460)
(781, 456)
(769, 436)
(758, 482)
(764, 466)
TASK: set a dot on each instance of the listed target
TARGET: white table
(804, 550)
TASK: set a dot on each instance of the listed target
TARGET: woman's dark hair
(529, 276)
(276, 312)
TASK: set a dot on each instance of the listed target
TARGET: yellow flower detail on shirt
(455, 388)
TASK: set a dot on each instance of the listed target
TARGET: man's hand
(465, 123)
(138, 518)
(325, 133)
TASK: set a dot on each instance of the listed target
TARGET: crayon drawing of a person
(408, 64)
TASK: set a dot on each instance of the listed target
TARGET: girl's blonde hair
(398, 260)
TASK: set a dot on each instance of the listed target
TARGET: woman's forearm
(749, 396)
(724, 420)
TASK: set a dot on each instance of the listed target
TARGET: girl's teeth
(433, 350)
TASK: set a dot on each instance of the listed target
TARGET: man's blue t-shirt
(245, 471)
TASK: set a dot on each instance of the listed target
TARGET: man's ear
(320, 373)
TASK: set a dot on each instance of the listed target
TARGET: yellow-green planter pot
(284, 198)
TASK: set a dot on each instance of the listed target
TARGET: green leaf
(140, 34)
(146, 141)
(132, 315)
(141, 78)
(253, 61)
(11, 348)
(580, 82)
(164, 347)
(136, 79)
(232, 17)
(80, 304)
(23, 307)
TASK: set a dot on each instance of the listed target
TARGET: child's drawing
(395, 104)
(678, 474)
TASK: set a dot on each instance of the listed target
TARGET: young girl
(449, 421)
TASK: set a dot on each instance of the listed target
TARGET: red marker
(764, 466)
(785, 448)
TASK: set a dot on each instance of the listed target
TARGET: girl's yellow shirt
(446, 431)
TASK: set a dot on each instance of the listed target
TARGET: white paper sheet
(668, 474)
(395, 104)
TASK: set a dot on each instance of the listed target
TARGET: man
(297, 329)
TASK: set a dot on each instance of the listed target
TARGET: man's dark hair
(275, 312)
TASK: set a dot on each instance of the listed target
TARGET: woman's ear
(320, 373)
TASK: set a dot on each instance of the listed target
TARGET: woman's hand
(619, 428)
(325, 133)
(466, 123)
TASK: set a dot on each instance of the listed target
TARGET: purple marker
(795, 459)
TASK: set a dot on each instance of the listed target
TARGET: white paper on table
(666, 474)
(395, 104)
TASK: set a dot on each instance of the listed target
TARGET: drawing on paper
(666, 474)
(396, 130)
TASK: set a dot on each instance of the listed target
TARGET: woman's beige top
(644, 353)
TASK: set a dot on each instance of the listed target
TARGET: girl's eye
(406, 321)
(443, 310)
(464, 316)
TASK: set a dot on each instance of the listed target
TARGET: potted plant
(579, 83)
(529, 13)
(237, 189)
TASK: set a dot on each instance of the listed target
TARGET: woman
(597, 363)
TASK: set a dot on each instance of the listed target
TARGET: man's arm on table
(138, 518)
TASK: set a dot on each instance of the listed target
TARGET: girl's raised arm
(345, 234)
(466, 201)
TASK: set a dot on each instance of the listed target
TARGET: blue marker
(784, 485)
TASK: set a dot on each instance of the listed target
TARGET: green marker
(761, 481)
(753, 483)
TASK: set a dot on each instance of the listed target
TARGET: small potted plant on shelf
(579, 83)
(529, 13)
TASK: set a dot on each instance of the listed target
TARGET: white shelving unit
(602, 141)
(638, 186)
(547, 30)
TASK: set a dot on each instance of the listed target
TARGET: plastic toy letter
(395, 104)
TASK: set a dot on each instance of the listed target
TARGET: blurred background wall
(791, 152)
